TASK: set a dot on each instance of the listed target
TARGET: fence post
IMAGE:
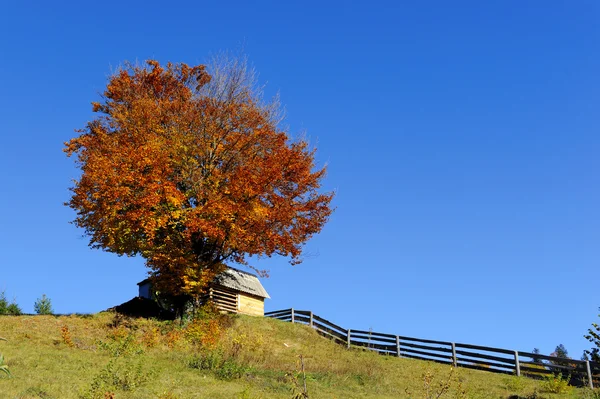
(311, 319)
(517, 365)
(292, 315)
(454, 360)
(397, 346)
(589, 373)
(348, 338)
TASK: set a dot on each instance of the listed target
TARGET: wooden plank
(328, 334)
(435, 355)
(476, 367)
(426, 341)
(485, 348)
(330, 324)
(484, 363)
(302, 312)
(282, 318)
(329, 330)
(274, 312)
(375, 346)
(525, 369)
(560, 367)
(427, 359)
(297, 318)
(425, 347)
(373, 338)
(373, 333)
(551, 358)
(487, 357)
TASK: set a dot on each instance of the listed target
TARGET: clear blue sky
(461, 139)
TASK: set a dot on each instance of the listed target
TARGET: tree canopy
(188, 167)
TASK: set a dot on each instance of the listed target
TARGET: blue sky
(461, 139)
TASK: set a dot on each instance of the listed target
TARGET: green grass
(253, 358)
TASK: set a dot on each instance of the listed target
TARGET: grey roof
(241, 281)
(236, 280)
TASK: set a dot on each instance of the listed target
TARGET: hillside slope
(108, 356)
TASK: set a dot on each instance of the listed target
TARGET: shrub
(207, 327)
(556, 384)
(9, 308)
(223, 368)
(14, 309)
(65, 333)
(43, 305)
(124, 375)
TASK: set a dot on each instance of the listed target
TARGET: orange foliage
(189, 176)
(65, 333)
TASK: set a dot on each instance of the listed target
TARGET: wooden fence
(580, 372)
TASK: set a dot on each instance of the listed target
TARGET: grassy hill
(108, 356)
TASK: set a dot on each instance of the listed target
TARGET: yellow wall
(251, 305)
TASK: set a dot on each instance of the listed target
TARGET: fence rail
(496, 360)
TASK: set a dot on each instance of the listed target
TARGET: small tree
(561, 351)
(593, 336)
(43, 305)
(9, 308)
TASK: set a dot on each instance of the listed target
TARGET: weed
(151, 337)
(515, 384)
(207, 327)
(167, 395)
(173, 338)
(213, 360)
(124, 370)
(556, 384)
(65, 333)
(433, 390)
(299, 391)
(591, 394)
(4, 367)
(121, 346)
(124, 376)
(34, 393)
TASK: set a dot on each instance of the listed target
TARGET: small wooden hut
(233, 291)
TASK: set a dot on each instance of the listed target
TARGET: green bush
(556, 384)
(9, 308)
(43, 305)
(223, 368)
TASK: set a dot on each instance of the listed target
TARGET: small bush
(223, 368)
(116, 375)
(65, 333)
(43, 306)
(207, 327)
(515, 384)
(121, 346)
(556, 384)
(9, 308)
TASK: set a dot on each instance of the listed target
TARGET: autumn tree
(188, 167)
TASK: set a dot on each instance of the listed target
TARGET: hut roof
(241, 281)
(237, 280)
